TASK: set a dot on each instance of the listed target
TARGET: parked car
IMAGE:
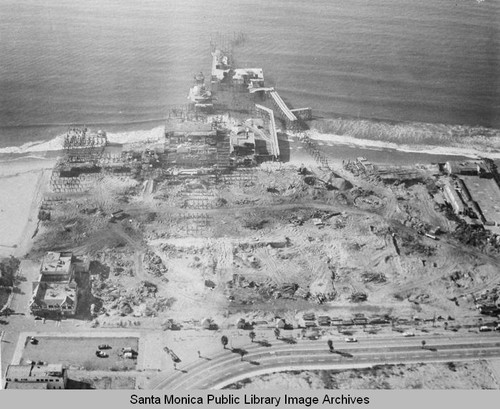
(351, 339)
(485, 328)
(101, 354)
(408, 334)
(33, 341)
(104, 346)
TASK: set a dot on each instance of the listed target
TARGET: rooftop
(468, 167)
(56, 263)
(248, 73)
(243, 139)
(26, 385)
(55, 294)
(220, 65)
(487, 195)
(25, 371)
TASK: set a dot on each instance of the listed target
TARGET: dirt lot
(263, 241)
(255, 243)
(450, 375)
(79, 353)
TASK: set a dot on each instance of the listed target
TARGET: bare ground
(450, 375)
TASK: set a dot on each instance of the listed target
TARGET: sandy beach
(22, 183)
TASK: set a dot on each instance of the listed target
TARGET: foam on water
(56, 144)
(374, 145)
(115, 62)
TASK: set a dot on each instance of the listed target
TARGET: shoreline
(50, 150)
(372, 133)
(407, 148)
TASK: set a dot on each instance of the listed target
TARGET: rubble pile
(460, 279)
(123, 301)
(373, 277)
(358, 296)
(322, 289)
(339, 183)
(107, 290)
(281, 182)
(120, 263)
(298, 218)
(413, 245)
(154, 264)
(488, 301)
(421, 298)
(269, 289)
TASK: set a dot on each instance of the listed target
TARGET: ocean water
(120, 64)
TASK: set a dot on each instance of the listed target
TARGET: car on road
(408, 334)
(351, 339)
(33, 341)
(104, 346)
(485, 328)
(101, 354)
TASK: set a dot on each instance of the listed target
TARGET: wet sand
(421, 149)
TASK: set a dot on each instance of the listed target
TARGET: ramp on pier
(280, 104)
(275, 150)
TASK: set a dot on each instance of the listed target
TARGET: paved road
(216, 371)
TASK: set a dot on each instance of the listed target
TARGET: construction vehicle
(172, 354)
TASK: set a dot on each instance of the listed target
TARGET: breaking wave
(56, 144)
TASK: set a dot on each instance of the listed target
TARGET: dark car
(101, 354)
(33, 341)
(104, 346)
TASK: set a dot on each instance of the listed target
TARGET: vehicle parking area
(80, 353)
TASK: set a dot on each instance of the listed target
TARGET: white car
(351, 339)
(408, 334)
